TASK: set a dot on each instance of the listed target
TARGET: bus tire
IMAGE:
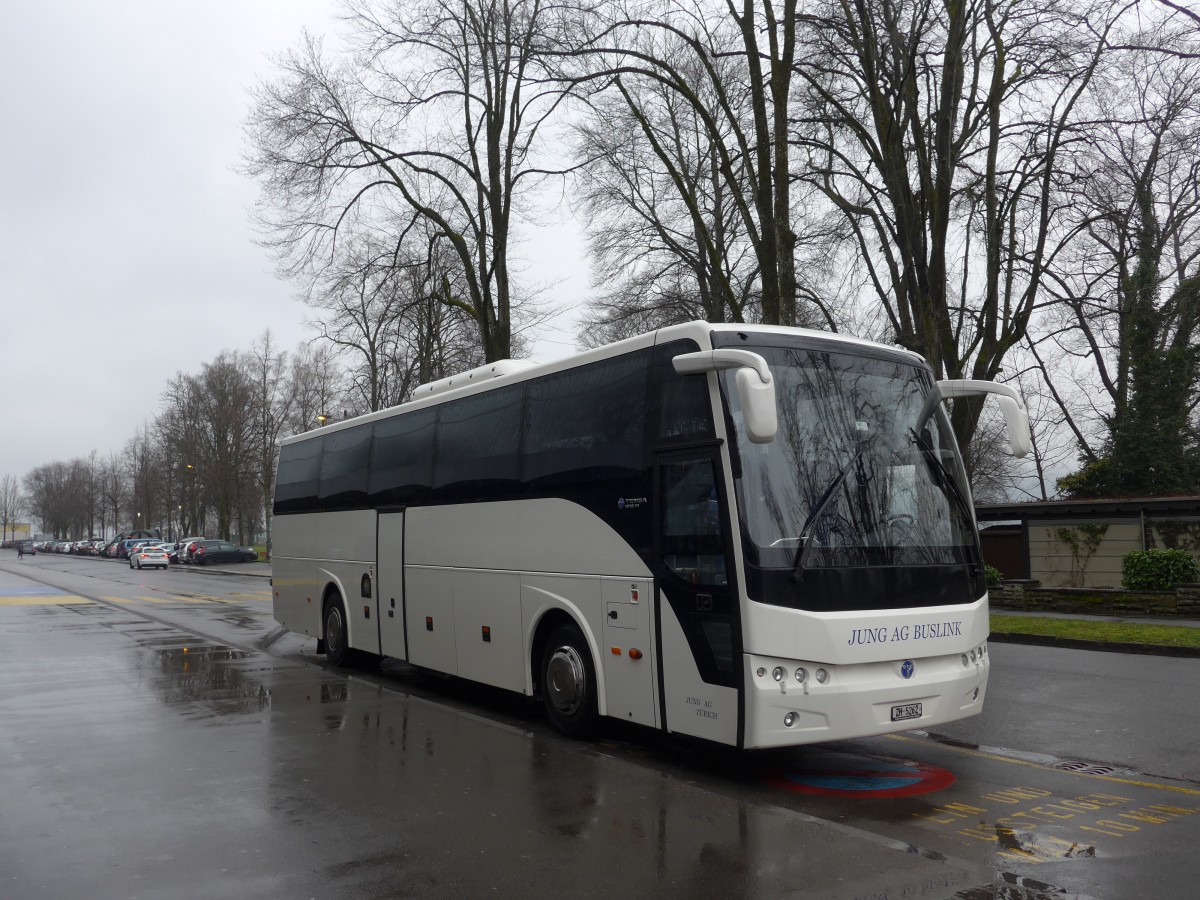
(569, 683)
(333, 622)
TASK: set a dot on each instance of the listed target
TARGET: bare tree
(385, 315)
(314, 384)
(57, 495)
(732, 65)
(11, 503)
(210, 421)
(272, 405)
(143, 466)
(1127, 293)
(941, 132)
(667, 243)
(113, 492)
(438, 117)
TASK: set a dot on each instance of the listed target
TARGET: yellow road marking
(43, 600)
(117, 599)
(1034, 765)
(153, 599)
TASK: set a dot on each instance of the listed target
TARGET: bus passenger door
(699, 625)
(390, 590)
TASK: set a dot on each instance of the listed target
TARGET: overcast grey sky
(126, 251)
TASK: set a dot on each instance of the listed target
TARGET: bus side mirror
(755, 386)
(1016, 417)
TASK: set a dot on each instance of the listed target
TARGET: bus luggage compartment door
(629, 679)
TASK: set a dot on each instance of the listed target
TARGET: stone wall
(1030, 596)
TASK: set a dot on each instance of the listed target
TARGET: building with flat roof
(1081, 543)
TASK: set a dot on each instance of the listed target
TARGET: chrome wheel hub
(566, 680)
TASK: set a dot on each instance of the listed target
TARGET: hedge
(1158, 570)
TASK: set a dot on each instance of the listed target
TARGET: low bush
(993, 576)
(1158, 570)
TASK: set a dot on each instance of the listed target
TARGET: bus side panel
(628, 651)
(362, 630)
(693, 705)
(429, 604)
(292, 588)
(547, 535)
(312, 551)
(487, 625)
(294, 577)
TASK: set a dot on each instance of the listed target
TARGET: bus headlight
(822, 676)
(777, 673)
(801, 674)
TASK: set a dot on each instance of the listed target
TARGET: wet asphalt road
(160, 737)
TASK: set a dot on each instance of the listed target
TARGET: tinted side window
(684, 412)
(344, 459)
(587, 420)
(478, 439)
(402, 458)
(296, 480)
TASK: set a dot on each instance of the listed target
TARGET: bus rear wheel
(569, 683)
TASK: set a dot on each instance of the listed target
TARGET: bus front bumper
(858, 700)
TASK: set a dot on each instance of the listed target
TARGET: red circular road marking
(870, 778)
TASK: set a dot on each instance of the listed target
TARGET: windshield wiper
(826, 499)
(944, 476)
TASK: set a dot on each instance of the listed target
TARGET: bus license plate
(907, 711)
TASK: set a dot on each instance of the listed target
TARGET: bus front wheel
(569, 683)
(337, 651)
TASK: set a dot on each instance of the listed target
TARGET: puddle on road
(204, 680)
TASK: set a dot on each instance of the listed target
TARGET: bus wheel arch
(566, 676)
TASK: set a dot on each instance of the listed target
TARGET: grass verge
(1103, 632)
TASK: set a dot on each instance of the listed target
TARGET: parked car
(125, 546)
(187, 545)
(26, 546)
(149, 556)
(210, 552)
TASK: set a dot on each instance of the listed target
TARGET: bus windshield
(863, 471)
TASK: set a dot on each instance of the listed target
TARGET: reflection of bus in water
(756, 535)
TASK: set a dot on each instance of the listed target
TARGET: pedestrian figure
(20, 550)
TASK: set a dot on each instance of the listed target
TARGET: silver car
(149, 555)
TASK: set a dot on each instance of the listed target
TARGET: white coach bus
(754, 535)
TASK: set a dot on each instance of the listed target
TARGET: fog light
(789, 720)
(777, 673)
(801, 674)
(964, 659)
(972, 656)
(822, 676)
(761, 672)
(975, 696)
